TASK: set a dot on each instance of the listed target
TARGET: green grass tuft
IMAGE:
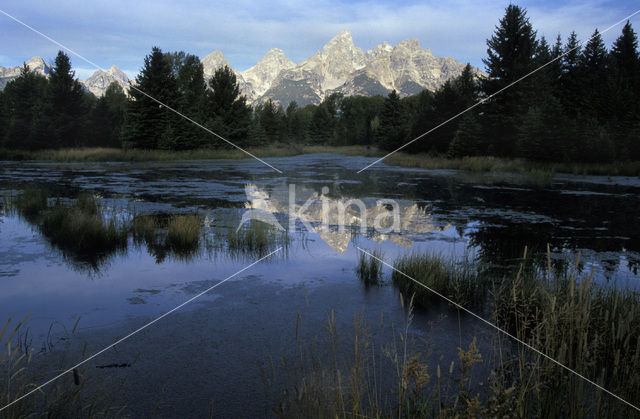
(369, 268)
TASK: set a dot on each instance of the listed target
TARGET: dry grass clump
(349, 375)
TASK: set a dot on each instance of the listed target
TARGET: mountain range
(339, 67)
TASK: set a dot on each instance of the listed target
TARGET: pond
(217, 352)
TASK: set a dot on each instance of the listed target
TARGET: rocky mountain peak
(341, 47)
(39, 65)
(383, 48)
(259, 77)
(100, 80)
(412, 44)
(212, 62)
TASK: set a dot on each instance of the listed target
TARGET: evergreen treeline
(581, 107)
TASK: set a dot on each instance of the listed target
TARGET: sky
(121, 33)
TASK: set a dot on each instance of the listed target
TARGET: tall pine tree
(147, 122)
(510, 56)
(392, 131)
(65, 97)
(23, 101)
(226, 111)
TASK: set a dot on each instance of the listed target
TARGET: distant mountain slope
(96, 84)
(100, 80)
(36, 64)
(342, 67)
(339, 66)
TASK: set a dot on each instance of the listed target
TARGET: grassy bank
(99, 154)
(541, 170)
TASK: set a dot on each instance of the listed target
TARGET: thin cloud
(122, 32)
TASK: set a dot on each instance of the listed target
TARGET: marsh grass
(369, 268)
(459, 281)
(145, 229)
(168, 235)
(82, 228)
(21, 371)
(30, 202)
(183, 233)
(350, 374)
(541, 173)
(590, 327)
(255, 238)
(99, 154)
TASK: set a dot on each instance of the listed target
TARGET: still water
(220, 344)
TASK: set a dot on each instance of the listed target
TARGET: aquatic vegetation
(255, 238)
(21, 371)
(144, 229)
(30, 202)
(369, 268)
(164, 235)
(459, 281)
(591, 328)
(183, 233)
(82, 228)
(366, 378)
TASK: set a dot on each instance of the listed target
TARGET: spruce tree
(271, 117)
(226, 111)
(65, 97)
(624, 54)
(593, 66)
(147, 120)
(106, 118)
(468, 138)
(191, 90)
(625, 81)
(510, 56)
(392, 132)
(23, 100)
(570, 80)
